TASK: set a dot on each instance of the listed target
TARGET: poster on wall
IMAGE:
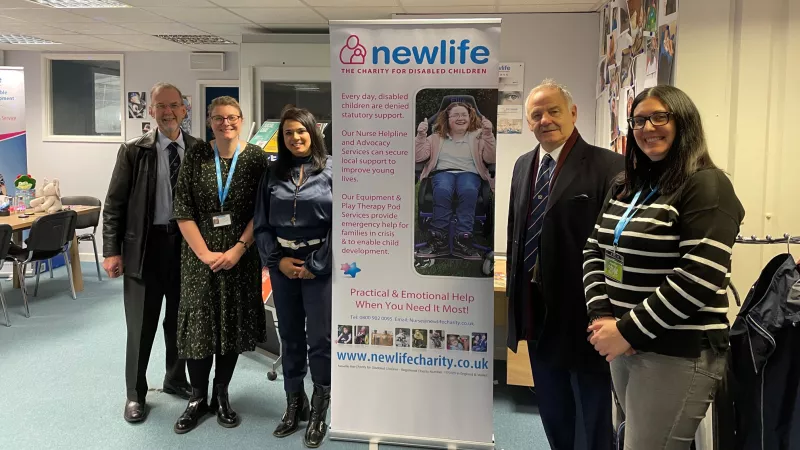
(667, 40)
(137, 105)
(186, 125)
(13, 139)
(414, 281)
(145, 127)
(510, 103)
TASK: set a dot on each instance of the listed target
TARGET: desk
(518, 364)
(19, 225)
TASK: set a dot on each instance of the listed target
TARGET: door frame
(199, 104)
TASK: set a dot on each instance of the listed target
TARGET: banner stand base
(407, 441)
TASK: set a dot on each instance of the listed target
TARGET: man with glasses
(557, 191)
(142, 243)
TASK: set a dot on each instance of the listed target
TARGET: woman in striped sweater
(656, 269)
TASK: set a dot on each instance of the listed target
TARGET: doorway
(207, 92)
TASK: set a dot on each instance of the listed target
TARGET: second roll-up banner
(415, 103)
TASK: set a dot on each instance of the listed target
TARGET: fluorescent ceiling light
(195, 39)
(22, 39)
(81, 3)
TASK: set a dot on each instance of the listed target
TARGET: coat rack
(753, 239)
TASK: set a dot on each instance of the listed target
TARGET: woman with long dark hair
(656, 271)
(293, 229)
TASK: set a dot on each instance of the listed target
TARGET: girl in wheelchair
(457, 153)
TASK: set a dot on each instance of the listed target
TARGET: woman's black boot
(226, 416)
(297, 410)
(196, 409)
(317, 428)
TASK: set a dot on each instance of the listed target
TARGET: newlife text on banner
(416, 106)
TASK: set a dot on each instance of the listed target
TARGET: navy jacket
(765, 360)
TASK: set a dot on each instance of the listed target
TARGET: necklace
(297, 183)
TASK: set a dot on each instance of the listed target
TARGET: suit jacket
(130, 202)
(583, 176)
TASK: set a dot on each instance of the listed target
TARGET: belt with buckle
(299, 243)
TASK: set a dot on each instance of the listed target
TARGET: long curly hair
(442, 126)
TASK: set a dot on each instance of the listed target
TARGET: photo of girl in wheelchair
(457, 176)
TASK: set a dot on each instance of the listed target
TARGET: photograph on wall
(624, 20)
(613, 102)
(137, 105)
(602, 77)
(613, 84)
(611, 55)
(622, 110)
(186, 125)
(670, 7)
(604, 30)
(145, 127)
(510, 110)
(652, 55)
(651, 17)
(636, 13)
(666, 54)
(626, 68)
(614, 19)
(453, 230)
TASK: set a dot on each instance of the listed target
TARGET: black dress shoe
(297, 410)
(226, 416)
(183, 391)
(317, 428)
(134, 412)
(195, 410)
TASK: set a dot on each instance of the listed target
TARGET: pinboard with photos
(637, 48)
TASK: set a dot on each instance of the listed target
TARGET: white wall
(737, 59)
(560, 46)
(85, 168)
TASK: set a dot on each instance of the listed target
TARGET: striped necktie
(174, 165)
(541, 192)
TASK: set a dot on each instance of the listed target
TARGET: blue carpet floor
(62, 384)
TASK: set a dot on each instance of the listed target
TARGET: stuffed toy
(50, 202)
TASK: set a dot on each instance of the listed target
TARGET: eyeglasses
(459, 116)
(220, 119)
(172, 106)
(658, 119)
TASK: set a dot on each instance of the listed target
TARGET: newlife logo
(445, 52)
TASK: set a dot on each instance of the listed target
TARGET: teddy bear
(50, 201)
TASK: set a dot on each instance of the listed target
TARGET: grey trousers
(664, 398)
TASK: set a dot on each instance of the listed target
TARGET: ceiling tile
(448, 9)
(259, 3)
(359, 13)
(216, 48)
(518, 6)
(237, 38)
(184, 3)
(28, 28)
(111, 46)
(160, 28)
(220, 29)
(279, 15)
(166, 46)
(198, 15)
(93, 28)
(20, 4)
(360, 3)
(451, 3)
(51, 48)
(119, 15)
(43, 15)
(78, 39)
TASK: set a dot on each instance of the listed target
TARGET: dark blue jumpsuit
(303, 306)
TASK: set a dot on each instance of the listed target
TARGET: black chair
(86, 221)
(50, 235)
(5, 243)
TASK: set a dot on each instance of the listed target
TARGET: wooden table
(518, 364)
(21, 224)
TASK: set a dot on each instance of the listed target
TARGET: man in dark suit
(142, 242)
(557, 191)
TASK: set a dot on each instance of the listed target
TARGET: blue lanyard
(223, 194)
(626, 218)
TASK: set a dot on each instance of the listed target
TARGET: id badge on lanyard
(223, 219)
(614, 261)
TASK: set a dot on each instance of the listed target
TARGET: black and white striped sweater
(677, 258)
